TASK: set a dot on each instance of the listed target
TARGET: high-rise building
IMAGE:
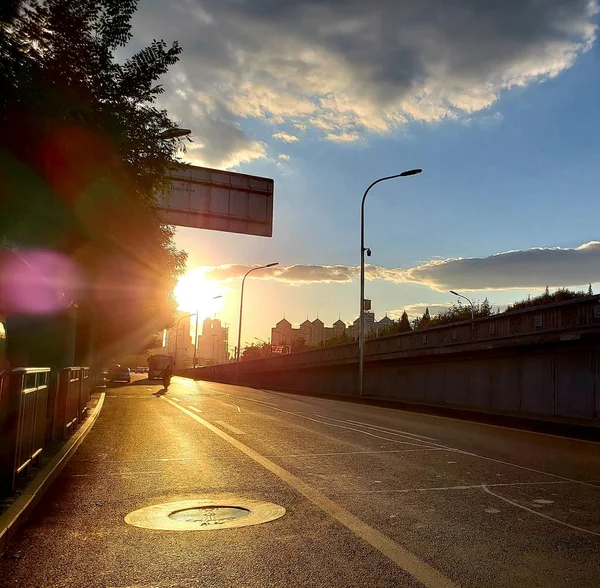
(178, 341)
(213, 343)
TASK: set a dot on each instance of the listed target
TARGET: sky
(497, 102)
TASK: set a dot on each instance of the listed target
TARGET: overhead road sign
(205, 198)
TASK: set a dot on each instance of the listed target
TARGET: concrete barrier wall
(543, 363)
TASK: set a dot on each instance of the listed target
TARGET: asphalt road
(373, 497)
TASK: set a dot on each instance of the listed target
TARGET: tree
(81, 156)
(425, 320)
(561, 295)
(404, 324)
(299, 345)
(256, 351)
(484, 309)
(590, 292)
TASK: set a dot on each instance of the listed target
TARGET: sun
(195, 292)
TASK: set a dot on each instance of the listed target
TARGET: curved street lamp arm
(242, 302)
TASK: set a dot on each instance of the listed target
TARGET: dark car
(117, 373)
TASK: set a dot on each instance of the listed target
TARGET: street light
(196, 332)
(468, 300)
(242, 303)
(361, 334)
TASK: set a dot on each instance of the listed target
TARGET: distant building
(315, 332)
(178, 341)
(213, 343)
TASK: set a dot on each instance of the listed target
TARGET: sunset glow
(194, 291)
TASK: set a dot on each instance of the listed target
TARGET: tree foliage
(256, 351)
(81, 156)
(547, 297)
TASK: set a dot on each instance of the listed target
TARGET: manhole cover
(205, 514)
(209, 515)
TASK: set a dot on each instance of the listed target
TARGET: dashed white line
(230, 427)
(194, 409)
(174, 398)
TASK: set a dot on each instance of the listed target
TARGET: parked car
(117, 373)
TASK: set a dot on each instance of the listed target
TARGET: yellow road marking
(230, 427)
(417, 568)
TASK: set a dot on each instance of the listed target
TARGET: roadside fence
(37, 406)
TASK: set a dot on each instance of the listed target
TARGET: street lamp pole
(468, 300)
(361, 333)
(242, 304)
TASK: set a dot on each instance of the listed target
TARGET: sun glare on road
(194, 291)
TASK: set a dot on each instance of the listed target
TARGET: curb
(18, 512)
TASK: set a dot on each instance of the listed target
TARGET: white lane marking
(540, 514)
(194, 409)
(176, 399)
(405, 434)
(297, 398)
(514, 465)
(387, 429)
(233, 404)
(461, 451)
(492, 510)
(230, 427)
(542, 501)
(442, 488)
(348, 428)
(258, 401)
(333, 454)
(416, 567)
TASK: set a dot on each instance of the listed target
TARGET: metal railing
(71, 398)
(22, 423)
(34, 407)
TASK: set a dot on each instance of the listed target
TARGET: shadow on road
(160, 392)
(141, 382)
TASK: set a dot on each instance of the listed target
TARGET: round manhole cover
(209, 515)
(205, 514)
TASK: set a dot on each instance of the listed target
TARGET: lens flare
(38, 282)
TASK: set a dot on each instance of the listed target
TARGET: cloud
(283, 157)
(350, 67)
(281, 136)
(523, 269)
(529, 268)
(343, 137)
(417, 310)
(293, 274)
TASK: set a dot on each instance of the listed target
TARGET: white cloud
(349, 67)
(523, 269)
(286, 137)
(283, 157)
(343, 137)
(417, 310)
